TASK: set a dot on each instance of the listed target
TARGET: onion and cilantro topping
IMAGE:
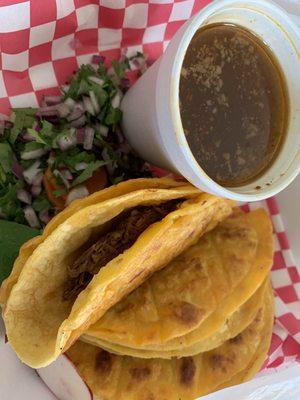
(68, 148)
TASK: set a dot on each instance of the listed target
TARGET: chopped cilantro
(117, 179)
(9, 203)
(59, 192)
(44, 136)
(113, 116)
(6, 157)
(53, 135)
(88, 172)
(73, 157)
(37, 136)
(82, 74)
(41, 203)
(21, 118)
(30, 146)
(84, 87)
(121, 67)
(100, 94)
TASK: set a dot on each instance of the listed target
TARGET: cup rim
(185, 40)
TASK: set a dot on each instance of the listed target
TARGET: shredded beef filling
(113, 243)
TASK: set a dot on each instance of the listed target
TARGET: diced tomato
(50, 185)
(96, 182)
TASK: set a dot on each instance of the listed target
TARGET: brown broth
(233, 103)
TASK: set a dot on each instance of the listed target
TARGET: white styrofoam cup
(151, 119)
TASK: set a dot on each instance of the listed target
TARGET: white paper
(284, 385)
(17, 381)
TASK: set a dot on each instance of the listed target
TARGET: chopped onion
(68, 141)
(112, 73)
(97, 80)
(63, 110)
(48, 111)
(38, 179)
(8, 124)
(136, 63)
(66, 174)
(80, 133)
(43, 103)
(36, 190)
(116, 100)
(110, 166)
(81, 166)
(94, 101)
(58, 174)
(77, 112)
(17, 170)
(102, 129)
(77, 123)
(125, 82)
(31, 173)
(52, 100)
(124, 53)
(36, 126)
(33, 154)
(65, 88)
(88, 138)
(70, 103)
(29, 138)
(120, 135)
(95, 67)
(88, 105)
(24, 196)
(97, 59)
(31, 217)
(44, 216)
(77, 193)
(139, 63)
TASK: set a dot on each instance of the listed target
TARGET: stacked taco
(153, 289)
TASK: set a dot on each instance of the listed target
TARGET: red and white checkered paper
(42, 42)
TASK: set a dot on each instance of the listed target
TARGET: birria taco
(203, 297)
(93, 254)
(114, 377)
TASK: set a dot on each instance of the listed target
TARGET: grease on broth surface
(233, 103)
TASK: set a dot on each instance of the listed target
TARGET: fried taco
(94, 254)
(234, 325)
(114, 377)
(203, 297)
(257, 361)
(106, 194)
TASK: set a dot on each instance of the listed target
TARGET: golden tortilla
(231, 328)
(40, 325)
(190, 300)
(108, 193)
(257, 361)
(113, 377)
